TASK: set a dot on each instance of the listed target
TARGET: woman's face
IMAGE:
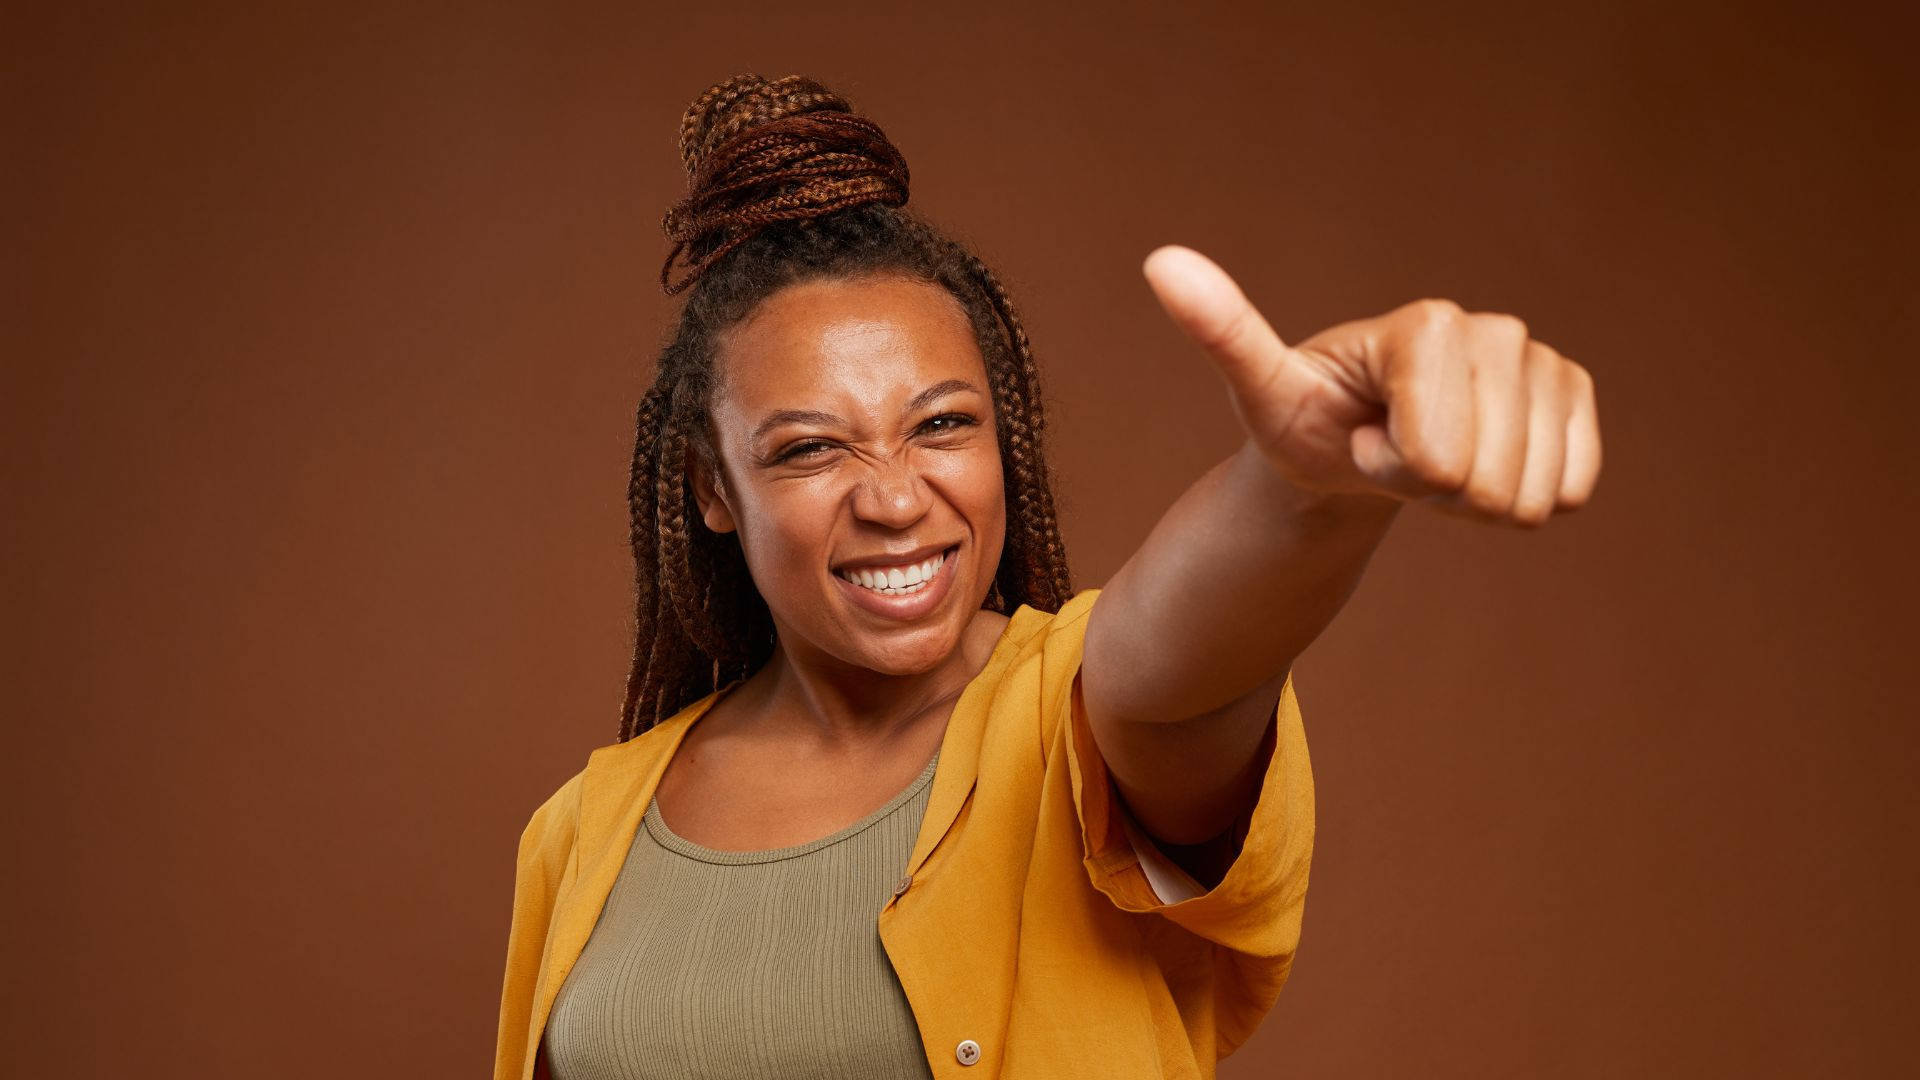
(855, 433)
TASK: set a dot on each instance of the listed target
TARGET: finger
(1425, 448)
(1380, 461)
(1583, 441)
(1497, 345)
(1205, 302)
(1547, 410)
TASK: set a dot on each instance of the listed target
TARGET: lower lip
(911, 605)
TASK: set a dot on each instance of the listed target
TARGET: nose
(893, 494)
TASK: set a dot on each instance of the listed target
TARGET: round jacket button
(967, 1052)
(901, 885)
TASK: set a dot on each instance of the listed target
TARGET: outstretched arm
(1190, 643)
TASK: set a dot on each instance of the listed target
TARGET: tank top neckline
(674, 842)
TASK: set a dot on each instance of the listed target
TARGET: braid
(1042, 556)
(787, 184)
(675, 560)
(758, 152)
(713, 118)
(644, 537)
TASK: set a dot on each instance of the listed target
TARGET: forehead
(861, 345)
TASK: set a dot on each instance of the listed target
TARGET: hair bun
(759, 151)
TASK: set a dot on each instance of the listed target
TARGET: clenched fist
(1427, 402)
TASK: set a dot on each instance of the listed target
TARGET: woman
(889, 798)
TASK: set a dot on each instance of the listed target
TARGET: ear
(709, 492)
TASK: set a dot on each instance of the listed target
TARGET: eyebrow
(814, 416)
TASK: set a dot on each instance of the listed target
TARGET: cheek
(989, 478)
(974, 483)
(784, 533)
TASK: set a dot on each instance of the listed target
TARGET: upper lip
(905, 558)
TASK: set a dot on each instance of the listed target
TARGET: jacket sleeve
(545, 855)
(1253, 915)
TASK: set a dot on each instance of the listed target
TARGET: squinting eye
(958, 421)
(802, 450)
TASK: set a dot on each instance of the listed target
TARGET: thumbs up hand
(1459, 409)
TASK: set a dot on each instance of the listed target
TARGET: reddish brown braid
(788, 185)
(758, 152)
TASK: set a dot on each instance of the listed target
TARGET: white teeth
(896, 581)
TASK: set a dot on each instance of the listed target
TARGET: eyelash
(803, 450)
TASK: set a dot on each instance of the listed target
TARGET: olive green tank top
(757, 965)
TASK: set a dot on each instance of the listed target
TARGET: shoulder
(1031, 626)
(1050, 638)
(610, 770)
(1058, 636)
(554, 821)
(1037, 659)
(1076, 609)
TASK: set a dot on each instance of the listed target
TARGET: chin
(911, 653)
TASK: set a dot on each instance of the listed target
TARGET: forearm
(1239, 576)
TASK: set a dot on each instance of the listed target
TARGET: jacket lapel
(959, 766)
(619, 783)
(621, 780)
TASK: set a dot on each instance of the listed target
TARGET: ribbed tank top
(758, 965)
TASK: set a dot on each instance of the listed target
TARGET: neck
(837, 705)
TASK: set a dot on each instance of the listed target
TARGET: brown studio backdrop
(326, 329)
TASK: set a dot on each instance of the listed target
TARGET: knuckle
(1542, 364)
(1442, 471)
(1227, 333)
(1579, 378)
(1435, 311)
(1487, 498)
(1511, 327)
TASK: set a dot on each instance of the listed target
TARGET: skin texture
(851, 705)
(1192, 640)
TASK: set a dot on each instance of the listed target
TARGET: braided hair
(787, 184)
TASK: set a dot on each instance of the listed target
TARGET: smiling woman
(890, 798)
(851, 429)
(816, 304)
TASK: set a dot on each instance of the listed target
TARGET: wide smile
(902, 591)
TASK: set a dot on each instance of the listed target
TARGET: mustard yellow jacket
(1026, 925)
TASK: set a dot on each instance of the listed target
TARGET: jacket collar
(621, 779)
